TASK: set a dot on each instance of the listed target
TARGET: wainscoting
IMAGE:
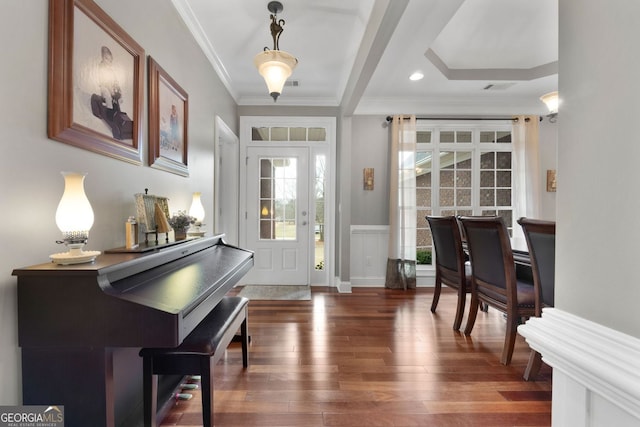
(368, 257)
(369, 249)
(596, 370)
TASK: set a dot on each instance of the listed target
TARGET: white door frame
(328, 147)
(227, 182)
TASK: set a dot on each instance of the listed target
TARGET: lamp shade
(551, 101)
(275, 66)
(197, 210)
(74, 216)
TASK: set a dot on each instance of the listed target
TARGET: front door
(278, 215)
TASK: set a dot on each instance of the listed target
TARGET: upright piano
(80, 327)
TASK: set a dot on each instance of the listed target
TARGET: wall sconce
(551, 181)
(367, 178)
(552, 101)
(197, 211)
(275, 66)
(74, 218)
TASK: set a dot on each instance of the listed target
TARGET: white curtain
(401, 264)
(527, 179)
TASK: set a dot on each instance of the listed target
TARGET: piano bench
(197, 355)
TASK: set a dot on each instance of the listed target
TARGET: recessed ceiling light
(416, 76)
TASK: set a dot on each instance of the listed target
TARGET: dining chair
(451, 269)
(494, 279)
(541, 241)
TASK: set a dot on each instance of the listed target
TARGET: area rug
(276, 292)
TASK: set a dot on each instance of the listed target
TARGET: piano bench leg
(210, 340)
(150, 392)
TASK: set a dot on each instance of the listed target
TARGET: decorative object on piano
(162, 224)
(168, 119)
(180, 222)
(74, 218)
(96, 70)
(148, 217)
(197, 212)
(131, 233)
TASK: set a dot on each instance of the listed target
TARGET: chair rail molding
(596, 369)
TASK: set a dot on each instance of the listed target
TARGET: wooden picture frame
(168, 122)
(96, 75)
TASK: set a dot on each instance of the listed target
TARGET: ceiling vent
(499, 86)
(292, 83)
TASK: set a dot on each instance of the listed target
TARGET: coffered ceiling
(487, 57)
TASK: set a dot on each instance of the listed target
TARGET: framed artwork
(96, 75)
(168, 120)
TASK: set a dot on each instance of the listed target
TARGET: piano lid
(126, 300)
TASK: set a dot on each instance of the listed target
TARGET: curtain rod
(515, 119)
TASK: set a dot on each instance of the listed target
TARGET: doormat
(276, 292)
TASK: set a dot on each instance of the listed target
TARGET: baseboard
(344, 287)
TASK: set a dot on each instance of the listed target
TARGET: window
(462, 169)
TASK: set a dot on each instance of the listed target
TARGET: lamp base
(74, 256)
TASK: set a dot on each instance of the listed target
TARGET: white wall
(30, 163)
(598, 154)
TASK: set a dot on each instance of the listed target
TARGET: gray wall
(370, 149)
(598, 152)
(548, 146)
(370, 145)
(30, 164)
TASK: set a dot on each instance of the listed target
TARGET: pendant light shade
(275, 65)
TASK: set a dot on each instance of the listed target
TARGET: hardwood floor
(375, 357)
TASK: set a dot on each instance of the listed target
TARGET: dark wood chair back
(541, 241)
(494, 277)
(491, 258)
(447, 243)
(449, 262)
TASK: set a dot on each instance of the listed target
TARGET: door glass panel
(319, 220)
(278, 198)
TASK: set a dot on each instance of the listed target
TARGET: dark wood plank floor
(375, 357)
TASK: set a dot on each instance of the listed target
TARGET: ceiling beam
(385, 17)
